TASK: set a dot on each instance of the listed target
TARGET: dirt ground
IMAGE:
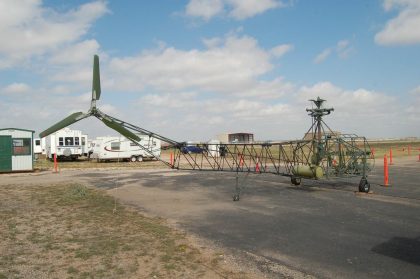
(53, 226)
(322, 229)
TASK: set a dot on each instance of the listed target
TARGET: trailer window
(133, 144)
(76, 141)
(83, 141)
(21, 146)
(69, 141)
(60, 141)
(115, 146)
(37, 142)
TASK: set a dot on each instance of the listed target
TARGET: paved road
(323, 229)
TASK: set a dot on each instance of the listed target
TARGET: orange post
(55, 162)
(241, 161)
(257, 167)
(372, 153)
(172, 159)
(409, 150)
(390, 156)
(386, 173)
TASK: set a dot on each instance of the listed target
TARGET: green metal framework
(324, 154)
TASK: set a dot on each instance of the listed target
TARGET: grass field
(71, 231)
(399, 148)
(43, 164)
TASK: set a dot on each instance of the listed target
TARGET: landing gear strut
(238, 187)
(237, 190)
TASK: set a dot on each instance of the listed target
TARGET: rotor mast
(317, 113)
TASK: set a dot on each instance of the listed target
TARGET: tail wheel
(139, 158)
(364, 186)
(296, 180)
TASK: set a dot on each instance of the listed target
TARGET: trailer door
(5, 153)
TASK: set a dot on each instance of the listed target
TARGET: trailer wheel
(133, 159)
(140, 158)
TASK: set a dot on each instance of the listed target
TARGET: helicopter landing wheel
(236, 197)
(296, 180)
(364, 186)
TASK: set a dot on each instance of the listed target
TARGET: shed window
(76, 141)
(60, 141)
(83, 141)
(21, 146)
(69, 141)
(115, 146)
(37, 142)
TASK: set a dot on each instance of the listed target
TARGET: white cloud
(182, 100)
(16, 88)
(242, 9)
(322, 56)
(237, 9)
(416, 91)
(231, 66)
(343, 49)
(204, 8)
(193, 116)
(78, 53)
(404, 29)
(281, 50)
(360, 111)
(27, 28)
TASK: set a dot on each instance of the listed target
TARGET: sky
(193, 69)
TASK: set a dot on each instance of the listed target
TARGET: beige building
(236, 138)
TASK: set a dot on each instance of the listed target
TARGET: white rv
(120, 148)
(65, 143)
(85, 145)
(39, 146)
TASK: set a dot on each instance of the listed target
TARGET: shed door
(5, 153)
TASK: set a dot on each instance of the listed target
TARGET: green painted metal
(63, 123)
(5, 153)
(120, 129)
(308, 171)
(96, 82)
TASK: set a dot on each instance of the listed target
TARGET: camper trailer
(37, 146)
(85, 145)
(120, 148)
(66, 143)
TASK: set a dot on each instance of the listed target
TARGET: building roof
(19, 129)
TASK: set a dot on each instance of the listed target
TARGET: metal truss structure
(321, 154)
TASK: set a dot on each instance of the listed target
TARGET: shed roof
(19, 129)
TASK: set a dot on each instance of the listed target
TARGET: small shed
(236, 138)
(16, 150)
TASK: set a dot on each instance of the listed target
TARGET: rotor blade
(64, 123)
(96, 81)
(120, 129)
